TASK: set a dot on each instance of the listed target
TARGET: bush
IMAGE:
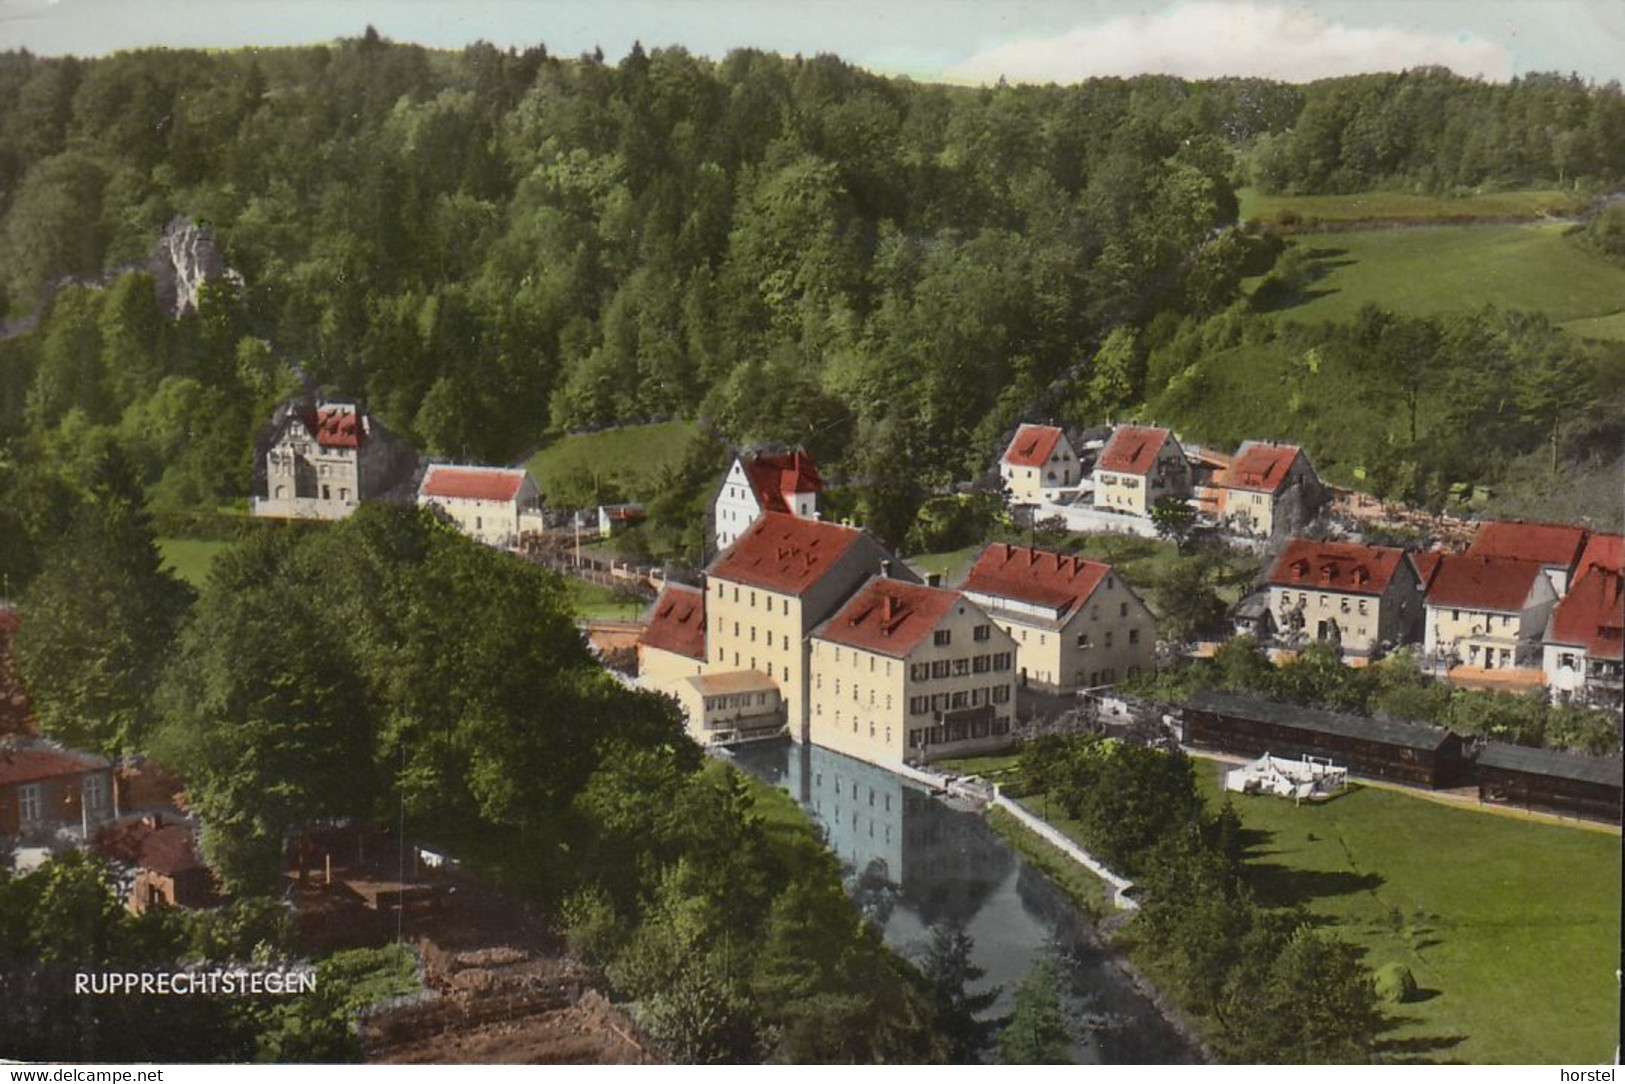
(1395, 983)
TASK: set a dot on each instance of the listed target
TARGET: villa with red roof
(1584, 649)
(493, 505)
(319, 459)
(1487, 613)
(1361, 598)
(908, 673)
(759, 483)
(1039, 458)
(44, 786)
(1076, 624)
(1269, 489)
(1137, 467)
(1556, 547)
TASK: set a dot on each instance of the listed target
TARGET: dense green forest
(492, 246)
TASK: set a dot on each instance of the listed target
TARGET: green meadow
(609, 466)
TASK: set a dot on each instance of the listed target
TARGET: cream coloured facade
(1138, 467)
(490, 505)
(1360, 598)
(1113, 636)
(1039, 459)
(1270, 488)
(948, 689)
(659, 670)
(729, 706)
(1488, 613)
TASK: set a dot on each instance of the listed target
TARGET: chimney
(933, 579)
(885, 609)
(885, 570)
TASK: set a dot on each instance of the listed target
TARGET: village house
(1487, 613)
(673, 643)
(1556, 547)
(905, 672)
(319, 459)
(1039, 458)
(1361, 599)
(492, 505)
(1583, 652)
(758, 483)
(1268, 490)
(45, 787)
(769, 590)
(163, 857)
(1076, 624)
(1138, 466)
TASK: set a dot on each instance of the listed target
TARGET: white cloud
(1208, 38)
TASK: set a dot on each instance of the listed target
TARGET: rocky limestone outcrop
(186, 257)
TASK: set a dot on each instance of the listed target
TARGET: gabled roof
(1032, 446)
(1500, 584)
(1427, 566)
(1335, 566)
(472, 483)
(1035, 576)
(1317, 720)
(337, 427)
(784, 553)
(889, 617)
(1590, 615)
(1133, 449)
(1555, 763)
(32, 760)
(1261, 468)
(1607, 550)
(1556, 544)
(771, 477)
(678, 622)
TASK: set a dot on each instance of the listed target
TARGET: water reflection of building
(944, 862)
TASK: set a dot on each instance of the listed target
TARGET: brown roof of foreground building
(1590, 614)
(1261, 468)
(1346, 567)
(1133, 449)
(1501, 584)
(784, 553)
(889, 617)
(1037, 576)
(30, 760)
(1032, 446)
(772, 476)
(678, 622)
(1547, 543)
(471, 483)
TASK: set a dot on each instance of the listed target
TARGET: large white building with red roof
(758, 483)
(1362, 599)
(1584, 650)
(908, 673)
(1077, 624)
(1138, 466)
(1487, 613)
(320, 459)
(493, 505)
(1039, 458)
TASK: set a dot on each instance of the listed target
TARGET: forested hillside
(490, 246)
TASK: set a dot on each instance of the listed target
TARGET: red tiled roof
(784, 553)
(678, 624)
(1470, 582)
(170, 850)
(1547, 543)
(1032, 446)
(1040, 577)
(471, 483)
(1427, 565)
(1133, 449)
(335, 428)
(889, 617)
(1336, 566)
(1607, 550)
(31, 761)
(774, 476)
(1261, 467)
(1590, 615)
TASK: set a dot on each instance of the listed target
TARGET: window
(753, 634)
(942, 637)
(30, 803)
(961, 667)
(787, 607)
(1001, 661)
(1455, 615)
(982, 632)
(479, 523)
(1362, 607)
(1083, 639)
(1133, 636)
(919, 671)
(1001, 694)
(753, 600)
(94, 789)
(939, 669)
(1122, 609)
(919, 705)
(982, 664)
(939, 702)
(1108, 639)
(719, 589)
(736, 628)
(736, 594)
(976, 698)
(959, 700)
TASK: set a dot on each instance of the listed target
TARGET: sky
(967, 41)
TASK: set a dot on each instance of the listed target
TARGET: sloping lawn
(608, 466)
(592, 600)
(1511, 927)
(1367, 206)
(190, 558)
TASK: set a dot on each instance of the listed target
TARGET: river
(912, 861)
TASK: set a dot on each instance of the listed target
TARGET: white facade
(309, 480)
(738, 506)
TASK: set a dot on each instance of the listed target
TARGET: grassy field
(950, 566)
(1511, 927)
(1393, 206)
(1430, 270)
(190, 558)
(620, 463)
(592, 600)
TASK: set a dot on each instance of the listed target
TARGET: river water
(912, 861)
